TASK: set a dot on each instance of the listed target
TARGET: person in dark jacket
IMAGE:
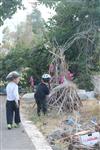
(41, 94)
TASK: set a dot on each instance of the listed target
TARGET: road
(15, 139)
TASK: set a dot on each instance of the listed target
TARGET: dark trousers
(41, 106)
(12, 111)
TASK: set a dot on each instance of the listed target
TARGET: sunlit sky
(20, 15)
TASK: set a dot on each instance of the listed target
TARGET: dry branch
(64, 97)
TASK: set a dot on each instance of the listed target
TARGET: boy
(12, 104)
(41, 94)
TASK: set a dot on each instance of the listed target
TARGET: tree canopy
(8, 8)
(75, 27)
(50, 3)
(27, 48)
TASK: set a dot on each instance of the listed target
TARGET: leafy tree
(51, 3)
(37, 22)
(24, 35)
(8, 8)
(36, 60)
(75, 22)
(29, 50)
(28, 34)
(8, 38)
(79, 18)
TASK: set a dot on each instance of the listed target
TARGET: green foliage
(40, 61)
(28, 52)
(37, 22)
(84, 81)
(90, 3)
(36, 60)
(8, 8)
(49, 3)
(73, 18)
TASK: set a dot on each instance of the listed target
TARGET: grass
(47, 124)
(90, 109)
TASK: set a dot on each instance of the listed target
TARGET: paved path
(15, 139)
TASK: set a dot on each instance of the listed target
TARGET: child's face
(17, 80)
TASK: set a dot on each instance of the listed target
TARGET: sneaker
(9, 126)
(15, 125)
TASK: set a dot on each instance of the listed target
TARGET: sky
(20, 15)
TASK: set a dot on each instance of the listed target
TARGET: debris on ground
(64, 131)
(75, 137)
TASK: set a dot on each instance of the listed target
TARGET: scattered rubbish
(94, 121)
(70, 121)
(90, 139)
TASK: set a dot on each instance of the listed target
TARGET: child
(41, 94)
(12, 104)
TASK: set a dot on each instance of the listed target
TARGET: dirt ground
(53, 121)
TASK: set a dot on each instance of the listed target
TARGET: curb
(35, 135)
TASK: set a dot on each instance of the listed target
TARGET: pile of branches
(74, 143)
(64, 97)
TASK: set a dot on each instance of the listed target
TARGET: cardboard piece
(90, 139)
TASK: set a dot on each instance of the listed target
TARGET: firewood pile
(64, 97)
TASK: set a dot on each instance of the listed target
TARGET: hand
(17, 104)
(20, 97)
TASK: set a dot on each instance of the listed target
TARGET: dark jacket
(41, 92)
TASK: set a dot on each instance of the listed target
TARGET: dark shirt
(41, 92)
